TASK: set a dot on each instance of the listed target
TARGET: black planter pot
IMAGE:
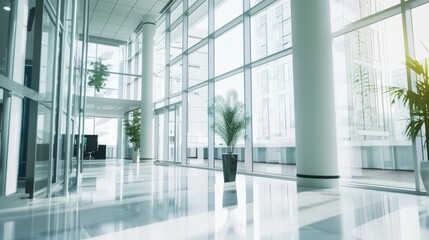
(229, 162)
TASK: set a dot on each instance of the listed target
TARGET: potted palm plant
(132, 129)
(230, 122)
(99, 74)
(418, 102)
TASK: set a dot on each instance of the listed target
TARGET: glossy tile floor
(145, 201)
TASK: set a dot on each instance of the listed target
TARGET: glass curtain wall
(273, 118)
(367, 59)
(159, 61)
(40, 126)
(132, 82)
(372, 145)
(247, 45)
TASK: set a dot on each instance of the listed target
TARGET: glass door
(160, 135)
(174, 133)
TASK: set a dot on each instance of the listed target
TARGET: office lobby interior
(323, 153)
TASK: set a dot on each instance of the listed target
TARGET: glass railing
(118, 86)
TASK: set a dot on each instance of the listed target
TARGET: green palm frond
(230, 118)
(416, 99)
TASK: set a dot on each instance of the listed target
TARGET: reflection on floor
(144, 201)
(386, 178)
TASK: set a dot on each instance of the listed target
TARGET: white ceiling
(117, 19)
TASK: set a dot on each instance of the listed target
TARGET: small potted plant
(418, 102)
(230, 123)
(98, 75)
(132, 129)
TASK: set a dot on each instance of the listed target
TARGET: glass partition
(41, 168)
(106, 130)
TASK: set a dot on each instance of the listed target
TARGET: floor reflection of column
(211, 201)
(249, 208)
(8, 230)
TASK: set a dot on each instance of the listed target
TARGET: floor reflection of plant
(233, 227)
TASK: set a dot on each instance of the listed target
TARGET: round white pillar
(315, 127)
(147, 114)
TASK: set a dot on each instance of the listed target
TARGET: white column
(316, 139)
(147, 114)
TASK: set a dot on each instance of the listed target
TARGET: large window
(198, 66)
(229, 50)
(198, 129)
(176, 13)
(112, 57)
(176, 41)
(421, 34)
(249, 48)
(198, 24)
(227, 10)
(176, 78)
(271, 30)
(344, 12)
(370, 130)
(159, 86)
(273, 118)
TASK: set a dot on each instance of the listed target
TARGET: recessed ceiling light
(7, 7)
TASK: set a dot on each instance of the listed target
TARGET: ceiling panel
(117, 19)
(99, 16)
(110, 1)
(105, 7)
(97, 25)
(112, 28)
(147, 4)
(121, 10)
(131, 22)
(130, 3)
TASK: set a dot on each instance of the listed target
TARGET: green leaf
(416, 99)
(230, 118)
(132, 129)
(98, 76)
